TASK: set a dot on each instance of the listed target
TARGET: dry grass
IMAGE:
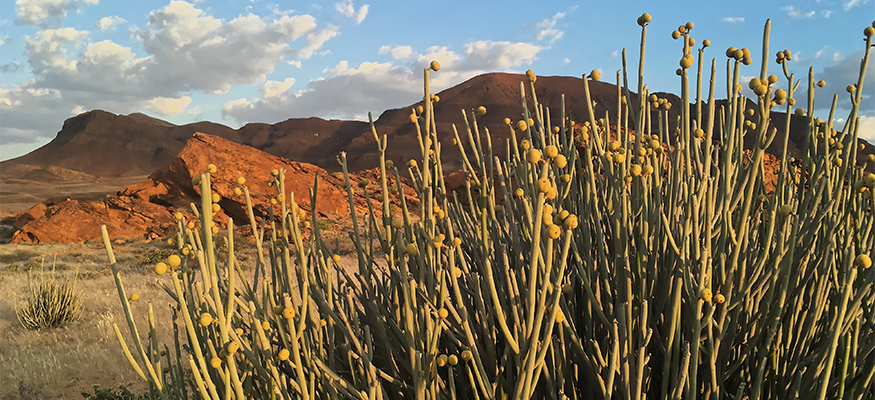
(61, 363)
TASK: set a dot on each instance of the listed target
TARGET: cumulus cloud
(109, 23)
(795, 13)
(185, 50)
(346, 90)
(347, 8)
(34, 12)
(275, 89)
(548, 28)
(733, 20)
(168, 106)
(849, 4)
(838, 76)
(866, 128)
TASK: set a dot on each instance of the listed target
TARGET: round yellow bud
(278, 310)
(507, 121)
(619, 158)
(699, 133)
(481, 111)
(211, 168)
(719, 298)
(635, 170)
(595, 75)
(265, 325)
(705, 294)
(397, 223)
(870, 158)
(531, 75)
(436, 66)
(206, 319)
(443, 313)
(288, 312)
(785, 210)
(284, 354)
(196, 181)
(452, 359)
(134, 297)
(554, 231)
(544, 185)
(566, 177)
(364, 182)
(457, 242)
(687, 61)
(216, 362)
(533, 156)
(519, 193)
(551, 151)
(173, 261)
(869, 31)
(525, 144)
(560, 317)
(216, 208)
(237, 191)
(161, 268)
(821, 83)
(441, 360)
(412, 250)
(863, 261)
(522, 125)
(560, 161)
(274, 172)
(411, 164)
(467, 355)
(457, 272)
(675, 34)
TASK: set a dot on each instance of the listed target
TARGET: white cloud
(185, 50)
(838, 76)
(77, 110)
(615, 53)
(168, 106)
(548, 28)
(837, 56)
(826, 13)
(733, 20)
(34, 12)
(486, 54)
(849, 4)
(397, 52)
(345, 91)
(109, 23)
(347, 8)
(566, 61)
(275, 89)
(820, 52)
(795, 13)
(866, 128)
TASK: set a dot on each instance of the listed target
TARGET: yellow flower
(283, 355)
(863, 261)
(206, 319)
(443, 313)
(161, 268)
(216, 362)
(288, 313)
(705, 294)
(211, 168)
(134, 297)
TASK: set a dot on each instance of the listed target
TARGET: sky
(239, 61)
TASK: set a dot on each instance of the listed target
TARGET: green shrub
(149, 257)
(17, 256)
(50, 303)
(650, 265)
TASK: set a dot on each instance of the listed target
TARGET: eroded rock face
(72, 221)
(146, 209)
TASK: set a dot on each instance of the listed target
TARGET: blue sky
(239, 61)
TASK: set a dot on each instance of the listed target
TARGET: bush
(649, 265)
(50, 303)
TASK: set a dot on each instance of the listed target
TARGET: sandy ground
(61, 363)
(17, 196)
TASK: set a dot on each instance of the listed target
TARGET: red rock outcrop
(146, 209)
(72, 221)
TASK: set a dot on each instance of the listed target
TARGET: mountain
(135, 144)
